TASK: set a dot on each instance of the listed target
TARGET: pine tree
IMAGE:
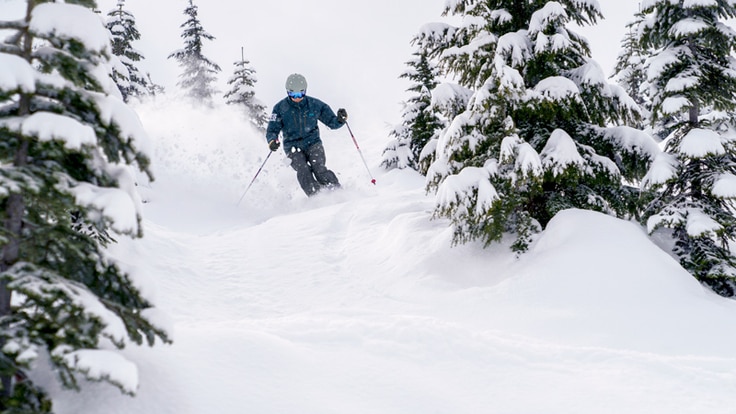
(535, 138)
(131, 82)
(630, 72)
(692, 81)
(67, 145)
(420, 121)
(199, 73)
(242, 92)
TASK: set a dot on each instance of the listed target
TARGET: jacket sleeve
(275, 124)
(327, 116)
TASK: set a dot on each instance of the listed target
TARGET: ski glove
(342, 115)
(274, 145)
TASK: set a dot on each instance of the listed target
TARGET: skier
(296, 117)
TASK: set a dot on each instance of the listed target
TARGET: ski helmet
(296, 83)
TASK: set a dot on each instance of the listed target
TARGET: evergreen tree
(692, 80)
(199, 75)
(130, 81)
(420, 121)
(630, 70)
(535, 138)
(242, 92)
(67, 144)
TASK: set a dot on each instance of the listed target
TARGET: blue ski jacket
(298, 122)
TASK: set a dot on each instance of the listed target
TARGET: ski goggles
(296, 94)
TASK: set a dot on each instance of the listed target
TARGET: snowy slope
(354, 302)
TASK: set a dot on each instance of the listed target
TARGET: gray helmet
(296, 83)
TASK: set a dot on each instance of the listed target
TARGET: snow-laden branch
(70, 21)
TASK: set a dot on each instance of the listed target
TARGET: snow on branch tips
(71, 22)
(679, 84)
(457, 190)
(556, 88)
(659, 62)
(674, 105)
(591, 73)
(560, 152)
(53, 127)
(16, 75)
(688, 27)
(434, 32)
(725, 186)
(515, 47)
(700, 224)
(508, 147)
(699, 143)
(545, 16)
(701, 3)
(526, 159)
(555, 43)
(632, 140)
(663, 168)
(448, 96)
(114, 203)
(501, 16)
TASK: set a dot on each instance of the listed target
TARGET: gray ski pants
(311, 171)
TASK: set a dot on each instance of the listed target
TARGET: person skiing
(295, 117)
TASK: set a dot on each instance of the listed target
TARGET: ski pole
(254, 177)
(373, 180)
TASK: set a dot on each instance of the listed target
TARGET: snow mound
(597, 280)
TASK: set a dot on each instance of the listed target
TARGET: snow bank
(597, 280)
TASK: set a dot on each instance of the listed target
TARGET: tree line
(199, 74)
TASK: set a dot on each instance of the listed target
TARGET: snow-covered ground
(355, 302)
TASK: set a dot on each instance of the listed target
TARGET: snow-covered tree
(131, 82)
(199, 73)
(242, 92)
(630, 70)
(420, 122)
(692, 79)
(69, 143)
(535, 138)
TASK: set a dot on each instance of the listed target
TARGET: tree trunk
(14, 209)
(11, 254)
(694, 113)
